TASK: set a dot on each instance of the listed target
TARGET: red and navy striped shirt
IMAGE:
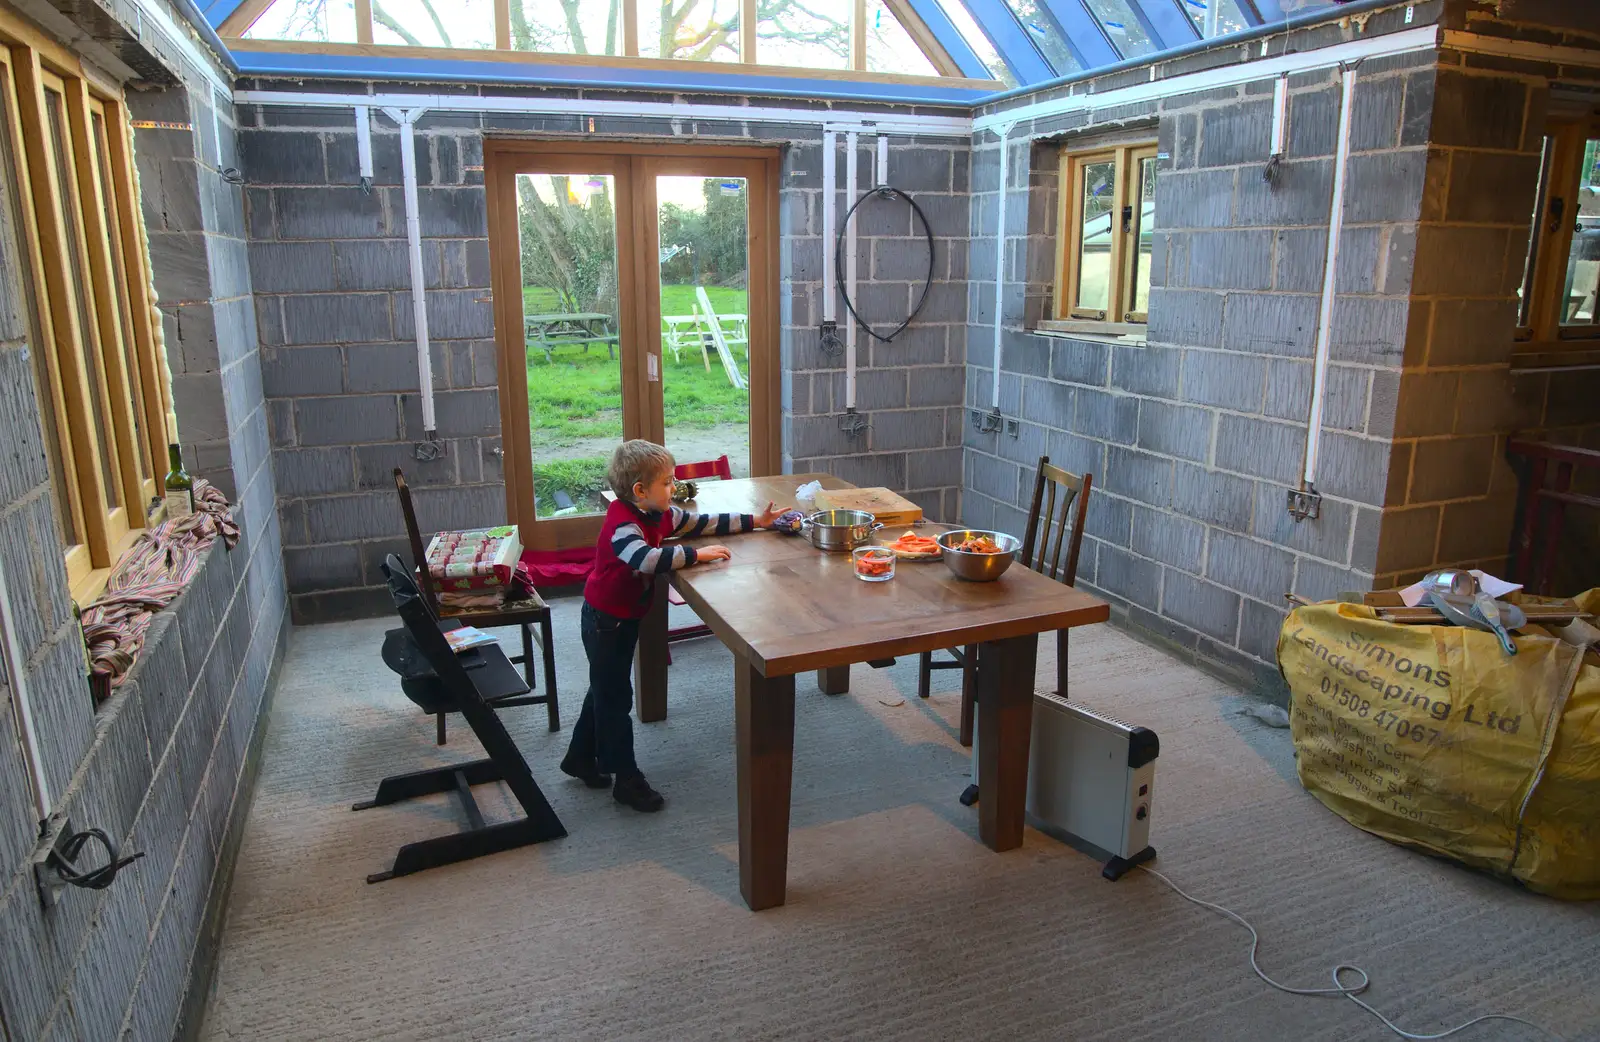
(629, 554)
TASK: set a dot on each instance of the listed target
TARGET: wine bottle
(180, 486)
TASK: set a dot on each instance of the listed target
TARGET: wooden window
(65, 147)
(1107, 217)
(1559, 296)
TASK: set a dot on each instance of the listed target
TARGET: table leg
(764, 725)
(834, 680)
(1005, 726)
(650, 668)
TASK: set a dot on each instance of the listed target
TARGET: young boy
(617, 595)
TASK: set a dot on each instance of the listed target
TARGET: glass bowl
(873, 564)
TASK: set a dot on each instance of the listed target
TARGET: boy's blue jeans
(604, 731)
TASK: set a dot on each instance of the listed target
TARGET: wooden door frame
(631, 164)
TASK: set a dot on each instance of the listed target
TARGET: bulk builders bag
(1434, 738)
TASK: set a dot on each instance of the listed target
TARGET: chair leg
(925, 674)
(969, 690)
(548, 646)
(527, 655)
(1061, 662)
(438, 728)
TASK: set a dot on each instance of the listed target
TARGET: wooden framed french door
(635, 296)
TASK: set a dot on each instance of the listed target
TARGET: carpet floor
(899, 924)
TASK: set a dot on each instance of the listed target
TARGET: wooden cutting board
(888, 507)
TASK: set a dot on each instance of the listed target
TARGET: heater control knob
(1142, 813)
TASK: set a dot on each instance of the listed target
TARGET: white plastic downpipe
(16, 667)
(851, 176)
(830, 229)
(364, 143)
(1004, 130)
(1319, 379)
(419, 300)
(883, 160)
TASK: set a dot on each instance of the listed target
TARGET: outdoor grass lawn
(578, 394)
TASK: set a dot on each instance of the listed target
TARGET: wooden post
(764, 725)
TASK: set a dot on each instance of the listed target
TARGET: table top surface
(788, 607)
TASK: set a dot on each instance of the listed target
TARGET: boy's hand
(712, 553)
(767, 516)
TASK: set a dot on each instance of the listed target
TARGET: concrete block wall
(1454, 491)
(162, 766)
(909, 389)
(333, 305)
(1195, 433)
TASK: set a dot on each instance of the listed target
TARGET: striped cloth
(159, 565)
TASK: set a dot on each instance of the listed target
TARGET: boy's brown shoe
(633, 791)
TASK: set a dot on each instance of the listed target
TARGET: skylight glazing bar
(1164, 22)
(1010, 40)
(1083, 33)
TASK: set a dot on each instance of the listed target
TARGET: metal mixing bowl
(980, 568)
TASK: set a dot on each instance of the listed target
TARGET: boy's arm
(686, 525)
(628, 543)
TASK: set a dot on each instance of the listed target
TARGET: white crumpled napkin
(1416, 593)
(807, 492)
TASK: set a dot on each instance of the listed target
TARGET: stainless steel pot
(840, 531)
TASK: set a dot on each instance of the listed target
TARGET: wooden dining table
(784, 607)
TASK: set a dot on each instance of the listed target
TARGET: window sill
(1082, 329)
(87, 589)
(1561, 356)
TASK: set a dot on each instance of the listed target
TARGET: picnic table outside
(548, 332)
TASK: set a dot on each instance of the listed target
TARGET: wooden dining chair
(722, 470)
(1060, 498)
(524, 615)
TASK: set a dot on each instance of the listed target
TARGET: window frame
(1540, 336)
(1120, 315)
(80, 231)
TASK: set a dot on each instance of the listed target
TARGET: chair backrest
(419, 552)
(711, 468)
(421, 622)
(1060, 500)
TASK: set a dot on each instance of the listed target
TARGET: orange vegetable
(979, 545)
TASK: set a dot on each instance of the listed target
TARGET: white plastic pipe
(1280, 114)
(1319, 377)
(16, 666)
(364, 142)
(419, 298)
(830, 230)
(1000, 254)
(851, 175)
(883, 159)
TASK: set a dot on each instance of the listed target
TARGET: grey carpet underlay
(899, 924)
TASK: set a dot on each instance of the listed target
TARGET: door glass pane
(1097, 188)
(890, 48)
(805, 37)
(434, 23)
(119, 292)
(567, 227)
(11, 259)
(704, 31)
(1144, 212)
(565, 27)
(1583, 260)
(311, 21)
(705, 328)
(57, 127)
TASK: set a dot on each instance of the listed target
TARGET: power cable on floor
(1349, 991)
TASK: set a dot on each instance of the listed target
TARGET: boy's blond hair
(636, 461)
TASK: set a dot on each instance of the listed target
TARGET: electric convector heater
(1091, 781)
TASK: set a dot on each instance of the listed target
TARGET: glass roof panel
(890, 48)
(1220, 17)
(309, 21)
(961, 18)
(704, 31)
(804, 38)
(1126, 34)
(434, 23)
(591, 27)
(1041, 29)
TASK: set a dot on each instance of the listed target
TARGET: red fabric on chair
(711, 468)
(559, 567)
